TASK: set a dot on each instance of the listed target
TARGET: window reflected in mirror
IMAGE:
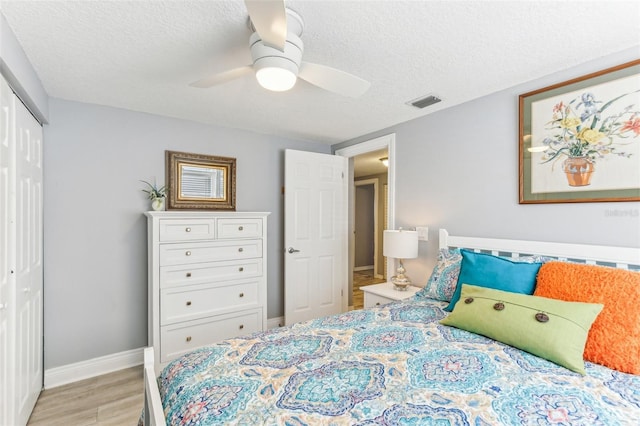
(198, 182)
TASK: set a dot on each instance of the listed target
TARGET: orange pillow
(614, 338)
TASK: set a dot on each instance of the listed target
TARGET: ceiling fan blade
(222, 77)
(333, 80)
(269, 18)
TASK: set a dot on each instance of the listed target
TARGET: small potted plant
(156, 195)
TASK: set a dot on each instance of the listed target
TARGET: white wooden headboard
(619, 257)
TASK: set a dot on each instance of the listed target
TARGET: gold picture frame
(200, 182)
(579, 140)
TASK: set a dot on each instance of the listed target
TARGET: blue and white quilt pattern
(391, 365)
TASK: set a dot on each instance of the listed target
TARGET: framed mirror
(196, 181)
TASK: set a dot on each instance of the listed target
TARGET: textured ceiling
(142, 55)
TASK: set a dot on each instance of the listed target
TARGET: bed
(395, 364)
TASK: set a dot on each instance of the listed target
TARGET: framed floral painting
(580, 139)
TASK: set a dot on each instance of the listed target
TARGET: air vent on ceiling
(425, 101)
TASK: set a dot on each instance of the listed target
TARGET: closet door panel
(21, 273)
(7, 279)
(29, 263)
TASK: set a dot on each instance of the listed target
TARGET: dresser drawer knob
(241, 294)
(188, 302)
(188, 253)
(241, 326)
(240, 249)
(188, 274)
(240, 228)
(188, 229)
(188, 338)
(241, 269)
(377, 303)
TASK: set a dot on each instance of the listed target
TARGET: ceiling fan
(276, 49)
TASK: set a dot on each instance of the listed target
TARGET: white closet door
(29, 274)
(21, 355)
(7, 279)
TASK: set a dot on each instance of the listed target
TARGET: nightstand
(380, 294)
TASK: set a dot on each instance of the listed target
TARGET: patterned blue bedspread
(390, 365)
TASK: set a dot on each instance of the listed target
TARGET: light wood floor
(114, 399)
(361, 279)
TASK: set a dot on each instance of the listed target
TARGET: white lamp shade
(400, 244)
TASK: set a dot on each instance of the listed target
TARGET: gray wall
(95, 233)
(18, 71)
(458, 169)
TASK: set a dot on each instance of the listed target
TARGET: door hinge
(341, 293)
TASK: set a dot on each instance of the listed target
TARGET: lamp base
(400, 282)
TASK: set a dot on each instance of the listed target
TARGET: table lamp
(400, 245)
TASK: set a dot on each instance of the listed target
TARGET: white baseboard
(70, 373)
(275, 322)
(362, 268)
(59, 376)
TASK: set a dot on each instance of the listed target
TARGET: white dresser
(207, 279)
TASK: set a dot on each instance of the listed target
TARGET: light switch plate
(423, 233)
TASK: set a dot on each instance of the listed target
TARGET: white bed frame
(153, 412)
(619, 257)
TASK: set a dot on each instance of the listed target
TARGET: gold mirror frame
(221, 182)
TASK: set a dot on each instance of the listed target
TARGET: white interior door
(7, 279)
(28, 261)
(315, 235)
(21, 274)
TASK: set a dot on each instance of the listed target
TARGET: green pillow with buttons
(551, 329)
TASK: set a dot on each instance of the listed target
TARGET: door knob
(292, 250)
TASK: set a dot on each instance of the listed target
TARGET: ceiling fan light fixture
(278, 65)
(276, 71)
(276, 79)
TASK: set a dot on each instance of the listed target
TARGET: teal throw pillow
(551, 329)
(487, 270)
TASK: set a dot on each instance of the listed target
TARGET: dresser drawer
(210, 251)
(203, 273)
(186, 336)
(193, 302)
(186, 229)
(239, 228)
